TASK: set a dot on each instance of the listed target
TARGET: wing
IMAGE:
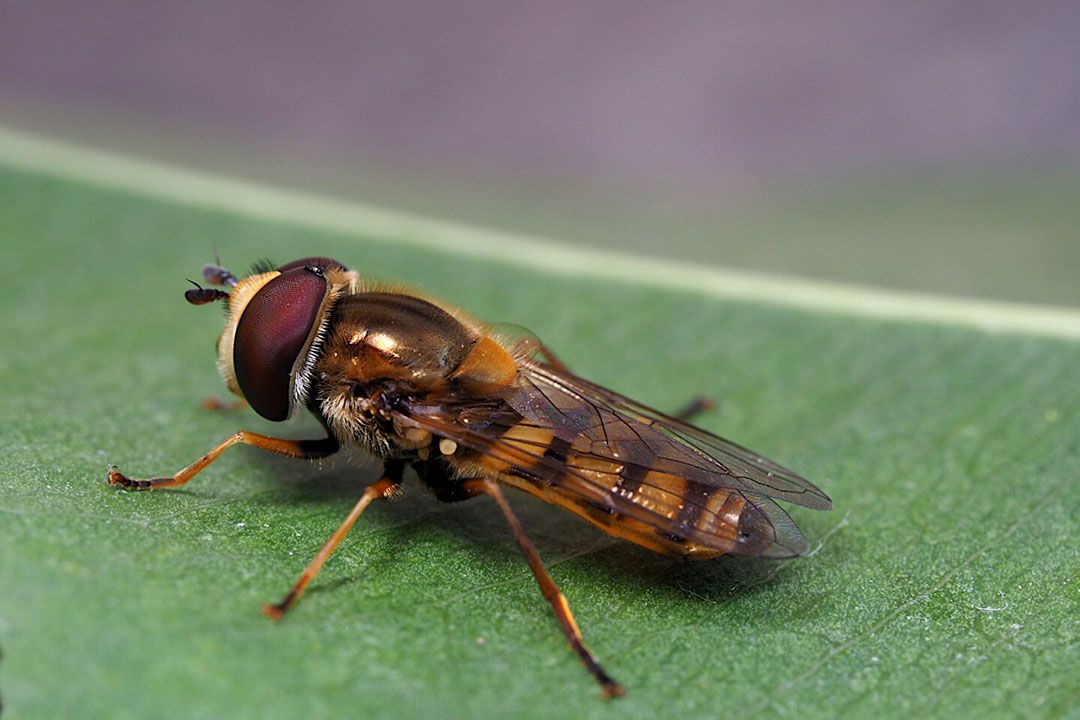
(581, 445)
(708, 459)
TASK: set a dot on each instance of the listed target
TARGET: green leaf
(945, 583)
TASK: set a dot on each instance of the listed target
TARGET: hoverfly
(418, 383)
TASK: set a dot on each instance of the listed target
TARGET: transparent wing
(622, 455)
(547, 394)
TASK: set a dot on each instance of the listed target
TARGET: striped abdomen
(658, 510)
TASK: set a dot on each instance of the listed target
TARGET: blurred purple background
(644, 105)
(701, 91)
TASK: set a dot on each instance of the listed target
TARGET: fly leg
(384, 487)
(694, 408)
(304, 449)
(551, 592)
(213, 402)
(437, 474)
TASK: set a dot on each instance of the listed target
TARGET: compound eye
(274, 329)
(323, 264)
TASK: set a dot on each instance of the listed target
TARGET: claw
(115, 477)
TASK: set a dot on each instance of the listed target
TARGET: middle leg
(383, 487)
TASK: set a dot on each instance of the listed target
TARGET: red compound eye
(276, 325)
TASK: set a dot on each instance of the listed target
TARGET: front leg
(304, 449)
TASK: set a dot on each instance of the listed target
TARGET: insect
(418, 383)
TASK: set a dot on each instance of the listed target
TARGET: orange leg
(384, 487)
(548, 587)
(305, 449)
(213, 402)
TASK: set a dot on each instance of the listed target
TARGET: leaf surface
(945, 582)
